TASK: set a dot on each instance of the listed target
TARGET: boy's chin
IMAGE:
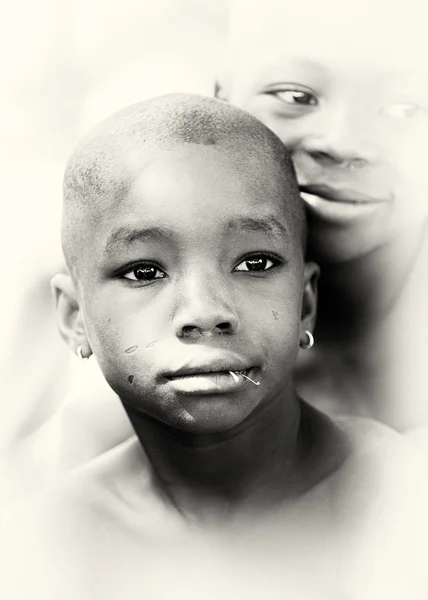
(209, 415)
(208, 420)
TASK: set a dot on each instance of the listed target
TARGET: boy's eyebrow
(268, 224)
(127, 234)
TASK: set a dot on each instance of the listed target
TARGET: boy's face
(352, 106)
(196, 274)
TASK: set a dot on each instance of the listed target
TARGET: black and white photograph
(214, 349)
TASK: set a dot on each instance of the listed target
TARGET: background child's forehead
(369, 31)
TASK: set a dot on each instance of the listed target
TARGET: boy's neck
(274, 456)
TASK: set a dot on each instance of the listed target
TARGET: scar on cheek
(275, 315)
(187, 417)
(130, 378)
(131, 349)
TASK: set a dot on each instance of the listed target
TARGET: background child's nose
(340, 139)
(334, 156)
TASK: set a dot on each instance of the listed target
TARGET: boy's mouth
(204, 373)
(207, 381)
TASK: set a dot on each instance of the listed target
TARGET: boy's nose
(203, 311)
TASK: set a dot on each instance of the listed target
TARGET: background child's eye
(296, 97)
(145, 273)
(256, 264)
(402, 110)
(302, 97)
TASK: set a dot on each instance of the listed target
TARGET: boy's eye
(144, 273)
(255, 264)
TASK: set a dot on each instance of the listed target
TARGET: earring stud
(80, 355)
(310, 341)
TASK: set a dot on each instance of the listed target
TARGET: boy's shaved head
(105, 164)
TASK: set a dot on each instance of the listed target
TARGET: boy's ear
(219, 91)
(310, 298)
(69, 315)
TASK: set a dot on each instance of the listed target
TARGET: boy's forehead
(204, 176)
(194, 186)
(368, 33)
(190, 180)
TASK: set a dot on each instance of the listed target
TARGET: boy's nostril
(193, 330)
(188, 329)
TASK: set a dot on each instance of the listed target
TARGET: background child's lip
(345, 195)
(339, 212)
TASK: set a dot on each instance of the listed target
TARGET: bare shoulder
(63, 538)
(370, 440)
(117, 481)
(381, 463)
(380, 498)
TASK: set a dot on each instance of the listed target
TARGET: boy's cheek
(124, 330)
(277, 332)
(128, 375)
(277, 306)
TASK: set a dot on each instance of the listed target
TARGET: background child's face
(350, 99)
(197, 271)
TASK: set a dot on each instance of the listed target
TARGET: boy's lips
(207, 361)
(210, 377)
(211, 382)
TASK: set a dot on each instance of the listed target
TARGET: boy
(184, 236)
(345, 86)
